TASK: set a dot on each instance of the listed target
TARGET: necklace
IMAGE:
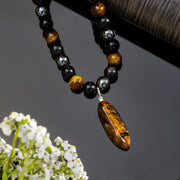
(112, 122)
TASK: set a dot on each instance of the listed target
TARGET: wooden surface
(159, 17)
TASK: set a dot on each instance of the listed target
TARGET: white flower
(6, 128)
(59, 162)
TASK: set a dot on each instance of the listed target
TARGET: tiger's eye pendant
(113, 124)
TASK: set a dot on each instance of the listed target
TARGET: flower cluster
(32, 155)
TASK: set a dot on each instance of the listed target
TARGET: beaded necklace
(108, 115)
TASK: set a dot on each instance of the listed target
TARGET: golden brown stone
(76, 83)
(51, 36)
(114, 125)
(98, 9)
(114, 59)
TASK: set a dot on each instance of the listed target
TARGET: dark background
(147, 94)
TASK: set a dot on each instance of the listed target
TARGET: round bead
(51, 36)
(90, 90)
(62, 61)
(41, 2)
(67, 73)
(112, 46)
(114, 59)
(104, 23)
(107, 34)
(41, 11)
(46, 24)
(111, 74)
(76, 83)
(56, 49)
(98, 9)
(104, 84)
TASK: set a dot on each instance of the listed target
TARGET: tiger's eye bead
(112, 46)
(56, 49)
(67, 73)
(104, 84)
(111, 74)
(98, 9)
(90, 90)
(103, 23)
(107, 34)
(41, 11)
(114, 59)
(62, 61)
(76, 83)
(51, 36)
(46, 24)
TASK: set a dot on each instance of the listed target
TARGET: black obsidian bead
(112, 46)
(46, 24)
(90, 90)
(104, 84)
(67, 73)
(107, 34)
(56, 49)
(111, 73)
(62, 61)
(41, 2)
(103, 23)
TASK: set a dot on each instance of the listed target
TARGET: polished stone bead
(56, 49)
(112, 46)
(90, 90)
(41, 11)
(114, 59)
(67, 73)
(113, 125)
(46, 24)
(107, 34)
(51, 36)
(41, 2)
(104, 84)
(76, 83)
(98, 9)
(62, 61)
(111, 73)
(104, 23)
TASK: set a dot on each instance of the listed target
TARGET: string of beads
(106, 34)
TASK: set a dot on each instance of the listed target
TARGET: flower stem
(26, 162)
(4, 176)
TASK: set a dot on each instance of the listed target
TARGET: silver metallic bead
(108, 34)
(62, 60)
(103, 84)
(41, 11)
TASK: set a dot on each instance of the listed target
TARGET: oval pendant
(113, 125)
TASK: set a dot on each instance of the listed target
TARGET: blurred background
(147, 93)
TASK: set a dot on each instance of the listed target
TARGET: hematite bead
(112, 46)
(62, 61)
(114, 59)
(41, 11)
(103, 23)
(76, 83)
(104, 84)
(107, 34)
(51, 36)
(56, 49)
(67, 73)
(90, 90)
(98, 9)
(111, 74)
(46, 24)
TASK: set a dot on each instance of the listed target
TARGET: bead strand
(106, 34)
